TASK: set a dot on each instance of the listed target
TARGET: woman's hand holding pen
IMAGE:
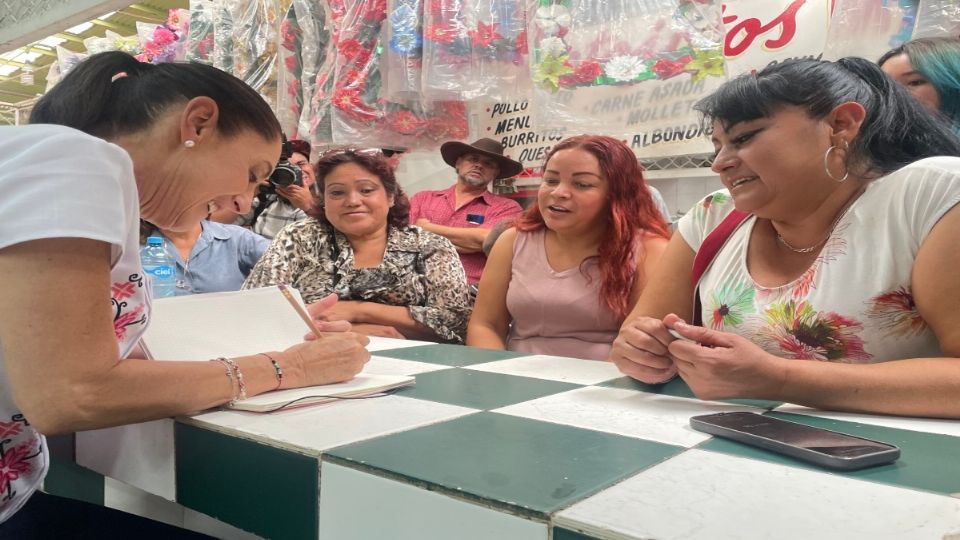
(337, 357)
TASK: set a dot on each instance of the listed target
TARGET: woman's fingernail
(680, 324)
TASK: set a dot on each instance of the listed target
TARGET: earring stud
(189, 143)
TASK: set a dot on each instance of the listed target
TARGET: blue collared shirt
(219, 261)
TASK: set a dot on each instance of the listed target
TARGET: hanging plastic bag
(938, 18)
(290, 98)
(200, 37)
(403, 54)
(255, 24)
(474, 48)
(868, 28)
(316, 55)
(593, 71)
(67, 60)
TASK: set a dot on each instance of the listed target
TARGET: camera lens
(286, 174)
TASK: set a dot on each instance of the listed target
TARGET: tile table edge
(463, 496)
(259, 439)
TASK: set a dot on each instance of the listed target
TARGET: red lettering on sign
(741, 35)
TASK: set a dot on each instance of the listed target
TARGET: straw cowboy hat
(452, 150)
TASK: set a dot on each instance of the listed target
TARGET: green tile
(927, 461)
(449, 355)
(479, 389)
(67, 479)
(530, 467)
(678, 388)
(559, 533)
(258, 488)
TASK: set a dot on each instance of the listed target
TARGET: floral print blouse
(420, 270)
(854, 304)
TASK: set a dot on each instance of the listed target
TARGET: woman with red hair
(563, 280)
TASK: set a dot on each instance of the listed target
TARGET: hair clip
(119, 75)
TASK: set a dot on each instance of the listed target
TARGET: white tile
(707, 495)
(139, 454)
(311, 430)
(202, 523)
(553, 368)
(381, 365)
(382, 343)
(926, 425)
(136, 501)
(653, 417)
(359, 506)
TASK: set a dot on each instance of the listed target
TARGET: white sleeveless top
(854, 304)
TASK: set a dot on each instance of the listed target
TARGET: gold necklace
(833, 226)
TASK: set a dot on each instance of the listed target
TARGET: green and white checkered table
(498, 445)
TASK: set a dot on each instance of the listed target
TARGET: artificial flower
(665, 68)
(625, 68)
(484, 35)
(585, 73)
(405, 43)
(550, 19)
(405, 122)
(553, 46)
(706, 62)
(549, 71)
(520, 45)
(349, 48)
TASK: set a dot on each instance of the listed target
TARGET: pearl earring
(189, 143)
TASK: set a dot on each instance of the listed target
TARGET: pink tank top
(556, 313)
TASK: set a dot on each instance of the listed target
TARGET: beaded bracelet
(276, 369)
(229, 371)
(242, 394)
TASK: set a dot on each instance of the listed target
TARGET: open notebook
(205, 326)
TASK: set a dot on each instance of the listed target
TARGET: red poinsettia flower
(666, 69)
(374, 10)
(350, 102)
(293, 87)
(587, 71)
(484, 35)
(521, 42)
(290, 63)
(441, 33)
(406, 122)
(288, 35)
(349, 48)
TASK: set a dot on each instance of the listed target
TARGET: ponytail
(111, 94)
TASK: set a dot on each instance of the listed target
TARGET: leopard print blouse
(420, 270)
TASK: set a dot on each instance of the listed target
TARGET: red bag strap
(708, 251)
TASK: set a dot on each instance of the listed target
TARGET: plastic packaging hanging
(938, 18)
(403, 54)
(593, 71)
(313, 42)
(200, 37)
(360, 115)
(67, 60)
(290, 97)
(255, 24)
(164, 42)
(474, 48)
(319, 57)
(868, 28)
(223, 36)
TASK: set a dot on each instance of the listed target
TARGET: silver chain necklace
(833, 226)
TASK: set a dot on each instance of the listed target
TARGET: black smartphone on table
(822, 447)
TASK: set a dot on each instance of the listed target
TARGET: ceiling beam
(17, 33)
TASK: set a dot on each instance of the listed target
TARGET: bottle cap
(154, 241)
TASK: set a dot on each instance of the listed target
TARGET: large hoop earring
(826, 163)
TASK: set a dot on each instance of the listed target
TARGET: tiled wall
(681, 194)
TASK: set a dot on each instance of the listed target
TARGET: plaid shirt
(483, 212)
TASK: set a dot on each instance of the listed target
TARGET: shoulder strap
(708, 251)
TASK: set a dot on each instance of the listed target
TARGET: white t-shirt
(58, 182)
(854, 304)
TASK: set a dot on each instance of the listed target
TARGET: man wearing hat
(466, 211)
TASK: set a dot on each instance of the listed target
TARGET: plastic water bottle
(159, 267)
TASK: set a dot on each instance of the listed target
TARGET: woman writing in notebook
(392, 279)
(834, 242)
(562, 281)
(118, 139)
